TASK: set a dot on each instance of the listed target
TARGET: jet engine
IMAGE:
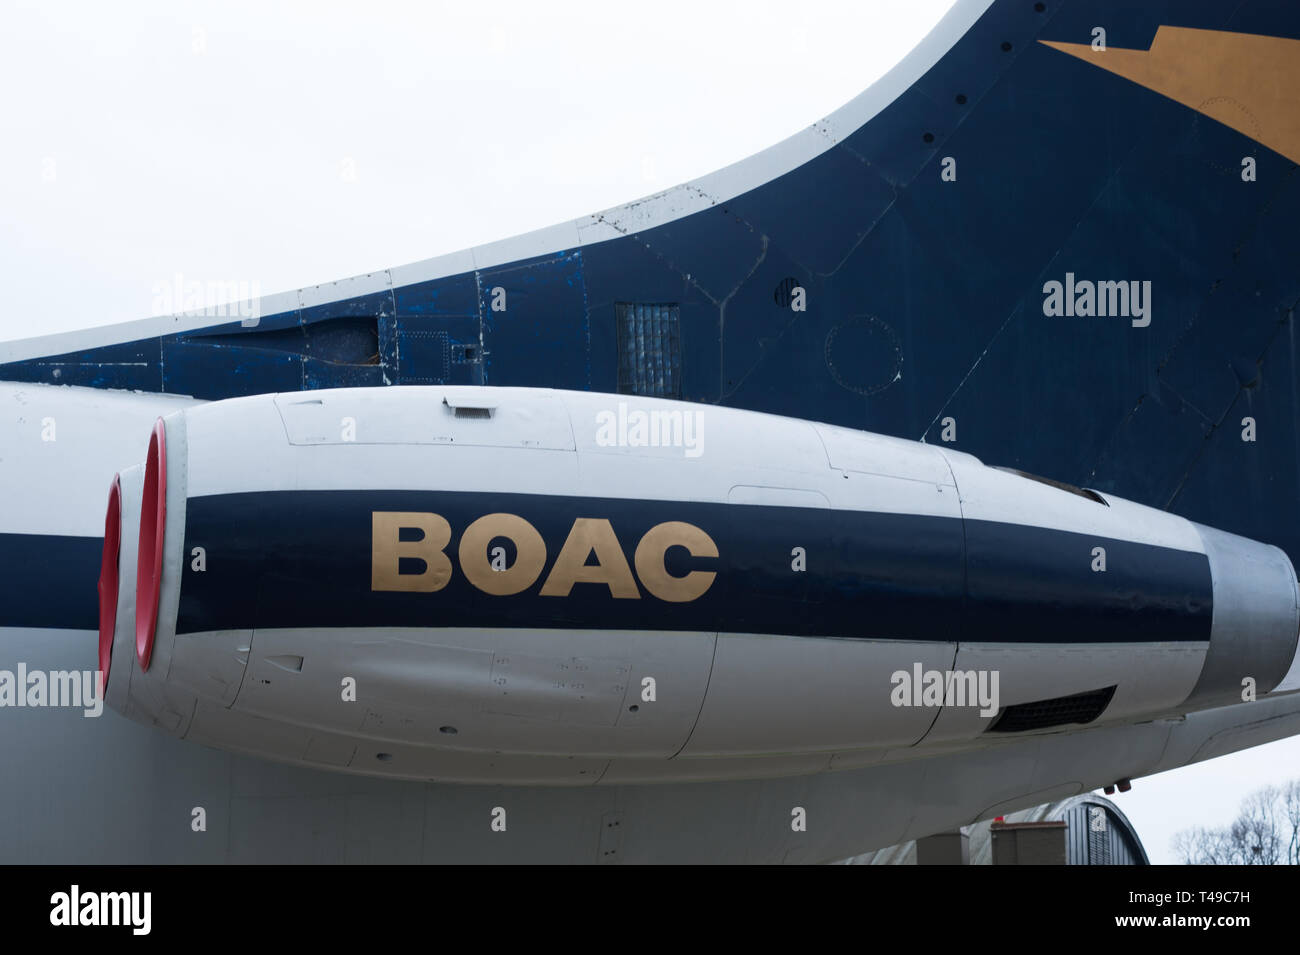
(532, 586)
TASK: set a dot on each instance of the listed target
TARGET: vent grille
(649, 350)
(1058, 711)
(1099, 843)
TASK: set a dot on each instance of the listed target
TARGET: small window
(649, 349)
(1061, 485)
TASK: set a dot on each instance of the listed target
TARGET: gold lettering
(650, 561)
(591, 534)
(387, 551)
(530, 554)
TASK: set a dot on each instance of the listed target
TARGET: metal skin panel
(459, 691)
(733, 438)
(419, 416)
(849, 450)
(49, 485)
(237, 732)
(773, 695)
(1148, 678)
(772, 538)
(1000, 497)
(1251, 605)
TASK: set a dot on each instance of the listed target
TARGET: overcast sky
(291, 144)
(282, 145)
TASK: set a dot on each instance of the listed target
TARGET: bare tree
(1265, 832)
(1201, 846)
(1290, 795)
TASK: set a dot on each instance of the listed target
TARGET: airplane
(937, 462)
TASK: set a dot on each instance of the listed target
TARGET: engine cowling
(550, 587)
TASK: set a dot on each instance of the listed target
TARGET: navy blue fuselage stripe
(286, 559)
(49, 581)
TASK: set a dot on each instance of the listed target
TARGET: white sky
(464, 123)
(1203, 794)
(211, 140)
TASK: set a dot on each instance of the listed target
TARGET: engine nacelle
(531, 586)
